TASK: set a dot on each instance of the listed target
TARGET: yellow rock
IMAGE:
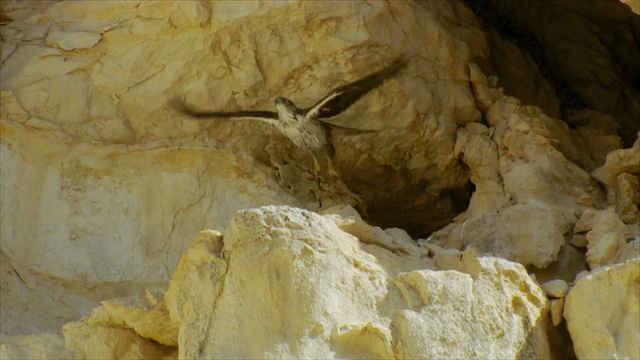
(88, 341)
(556, 311)
(292, 284)
(602, 312)
(35, 346)
(147, 322)
(556, 288)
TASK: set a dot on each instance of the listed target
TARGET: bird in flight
(306, 127)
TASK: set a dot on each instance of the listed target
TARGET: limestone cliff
(502, 164)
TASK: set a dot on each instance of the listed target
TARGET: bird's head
(286, 108)
(283, 101)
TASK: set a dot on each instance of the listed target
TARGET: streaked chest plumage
(303, 132)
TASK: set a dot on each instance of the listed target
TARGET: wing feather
(266, 116)
(343, 97)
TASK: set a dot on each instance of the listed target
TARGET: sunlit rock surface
(291, 284)
(602, 312)
(530, 191)
(103, 181)
(113, 95)
(508, 157)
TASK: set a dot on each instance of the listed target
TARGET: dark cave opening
(421, 220)
(420, 207)
(574, 63)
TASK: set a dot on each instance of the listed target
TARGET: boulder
(602, 315)
(289, 283)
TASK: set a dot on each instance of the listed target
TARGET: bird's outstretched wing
(343, 97)
(266, 116)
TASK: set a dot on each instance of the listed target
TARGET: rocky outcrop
(98, 170)
(483, 186)
(607, 33)
(525, 172)
(288, 283)
(610, 327)
(318, 291)
(114, 91)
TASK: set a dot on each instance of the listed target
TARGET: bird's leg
(332, 170)
(317, 169)
(318, 180)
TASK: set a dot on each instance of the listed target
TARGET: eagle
(307, 127)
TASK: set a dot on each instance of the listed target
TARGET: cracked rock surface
(464, 182)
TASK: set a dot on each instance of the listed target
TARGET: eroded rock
(293, 277)
(556, 288)
(602, 315)
(608, 238)
(96, 341)
(529, 190)
(34, 346)
(103, 184)
(618, 162)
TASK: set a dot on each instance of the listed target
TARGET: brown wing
(268, 116)
(343, 97)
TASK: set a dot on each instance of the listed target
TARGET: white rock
(393, 239)
(477, 128)
(67, 40)
(59, 302)
(556, 288)
(106, 210)
(631, 249)
(129, 59)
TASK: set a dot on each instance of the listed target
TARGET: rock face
(524, 176)
(504, 181)
(606, 32)
(611, 329)
(124, 71)
(289, 283)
